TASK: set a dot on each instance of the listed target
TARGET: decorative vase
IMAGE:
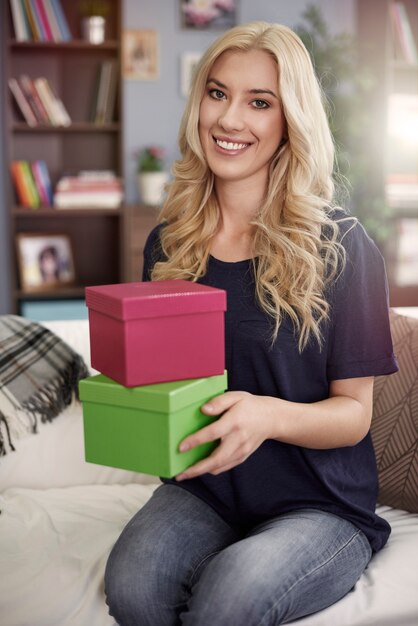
(151, 187)
(93, 29)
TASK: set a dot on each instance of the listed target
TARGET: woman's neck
(238, 206)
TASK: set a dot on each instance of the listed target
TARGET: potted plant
(151, 175)
(93, 21)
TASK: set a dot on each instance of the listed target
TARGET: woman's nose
(231, 118)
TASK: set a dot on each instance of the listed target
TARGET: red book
(44, 19)
(33, 98)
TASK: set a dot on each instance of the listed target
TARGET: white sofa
(60, 517)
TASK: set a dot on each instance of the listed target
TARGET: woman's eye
(261, 104)
(217, 94)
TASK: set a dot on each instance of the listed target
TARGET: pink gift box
(154, 332)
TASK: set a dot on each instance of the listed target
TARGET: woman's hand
(246, 422)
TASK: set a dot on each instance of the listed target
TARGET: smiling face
(241, 122)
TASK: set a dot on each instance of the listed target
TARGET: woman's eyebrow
(254, 91)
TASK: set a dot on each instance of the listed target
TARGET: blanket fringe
(46, 404)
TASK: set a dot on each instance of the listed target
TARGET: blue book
(61, 20)
(39, 25)
(46, 181)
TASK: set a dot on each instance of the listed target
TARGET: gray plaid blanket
(39, 375)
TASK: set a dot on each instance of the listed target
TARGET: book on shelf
(44, 20)
(25, 186)
(42, 182)
(20, 23)
(33, 21)
(61, 19)
(32, 183)
(39, 20)
(22, 103)
(405, 47)
(104, 101)
(52, 20)
(57, 113)
(34, 100)
(89, 189)
(62, 113)
(22, 192)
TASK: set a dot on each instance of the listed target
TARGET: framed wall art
(208, 14)
(189, 60)
(140, 58)
(45, 261)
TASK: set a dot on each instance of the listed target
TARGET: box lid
(161, 397)
(129, 301)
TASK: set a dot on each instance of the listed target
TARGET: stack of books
(89, 189)
(32, 183)
(39, 20)
(38, 102)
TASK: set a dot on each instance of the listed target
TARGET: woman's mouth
(232, 146)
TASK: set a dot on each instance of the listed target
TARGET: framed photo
(208, 14)
(140, 59)
(45, 261)
(189, 60)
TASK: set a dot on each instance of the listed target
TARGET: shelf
(48, 212)
(51, 294)
(76, 127)
(72, 46)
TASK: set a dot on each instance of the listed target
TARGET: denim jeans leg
(289, 567)
(153, 565)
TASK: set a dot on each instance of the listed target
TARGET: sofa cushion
(394, 427)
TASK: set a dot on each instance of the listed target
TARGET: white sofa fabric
(60, 517)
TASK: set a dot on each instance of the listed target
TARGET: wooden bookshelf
(98, 235)
(392, 74)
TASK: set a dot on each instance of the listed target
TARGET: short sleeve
(360, 341)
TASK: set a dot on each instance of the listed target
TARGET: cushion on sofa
(395, 420)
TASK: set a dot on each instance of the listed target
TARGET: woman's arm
(247, 420)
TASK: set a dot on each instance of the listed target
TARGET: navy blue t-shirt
(280, 477)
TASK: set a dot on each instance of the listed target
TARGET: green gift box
(140, 428)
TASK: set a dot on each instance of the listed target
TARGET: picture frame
(189, 60)
(45, 261)
(208, 14)
(140, 55)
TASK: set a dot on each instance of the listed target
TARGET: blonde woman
(279, 521)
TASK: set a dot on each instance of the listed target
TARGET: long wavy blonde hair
(295, 245)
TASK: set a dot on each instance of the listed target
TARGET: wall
(153, 109)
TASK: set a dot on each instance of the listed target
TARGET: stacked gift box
(160, 349)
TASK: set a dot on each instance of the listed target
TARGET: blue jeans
(178, 562)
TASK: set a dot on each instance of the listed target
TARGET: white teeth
(227, 145)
